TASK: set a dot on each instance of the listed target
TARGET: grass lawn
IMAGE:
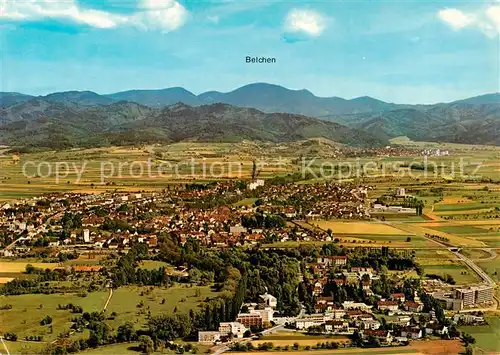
(153, 264)
(487, 336)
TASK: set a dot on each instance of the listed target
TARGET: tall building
(466, 295)
(474, 295)
(484, 294)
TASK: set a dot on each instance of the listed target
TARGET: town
(352, 292)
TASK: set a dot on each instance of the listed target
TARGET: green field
(492, 267)
(460, 229)
(487, 336)
(28, 310)
(182, 297)
(461, 206)
(460, 273)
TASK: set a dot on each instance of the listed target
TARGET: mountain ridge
(468, 120)
(56, 125)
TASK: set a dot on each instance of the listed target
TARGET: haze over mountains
(135, 114)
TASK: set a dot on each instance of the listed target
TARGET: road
(5, 346)
(483, 275)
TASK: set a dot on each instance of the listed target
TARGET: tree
(146, 344)
(468, 339)
(125, 332)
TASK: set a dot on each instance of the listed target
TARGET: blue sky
(397, 51)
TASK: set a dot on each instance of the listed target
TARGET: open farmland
(358, 227)
(289, 338)
(16, 269)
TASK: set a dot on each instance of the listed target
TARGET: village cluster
(113, 220)
(391, 321)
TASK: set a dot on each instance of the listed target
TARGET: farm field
(289, 338)
(460, 229)
(20, 266)
(453, 239)
(16, 269)
(426, 347)
(371, 228)
(475, 254)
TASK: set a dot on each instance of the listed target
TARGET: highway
(483, 275)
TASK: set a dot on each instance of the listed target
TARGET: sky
(398, 51)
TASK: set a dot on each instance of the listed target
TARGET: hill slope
(454, 122)
(41, 123)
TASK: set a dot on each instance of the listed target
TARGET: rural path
(5, 346)
(109, 299)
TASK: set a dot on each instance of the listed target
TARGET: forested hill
(58, 124)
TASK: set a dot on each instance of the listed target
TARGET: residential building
(388, 305)
(414, 307)
(336, 325)
(400, 297)
(384, 336)
(412, 333)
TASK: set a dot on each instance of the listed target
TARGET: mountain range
(58, 125)
(472, 120)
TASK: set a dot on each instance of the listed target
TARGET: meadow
(28, 310)
(133, 303)
(443, 262)
(487, 336)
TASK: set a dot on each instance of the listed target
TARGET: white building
(235, 328)
(269, 300)
(310, 320)
(254, 184)
(86, 236)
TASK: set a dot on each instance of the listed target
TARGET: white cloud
(164, 15)
(455, 18)
(486, 19)
(493, 14)
(306, 21)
